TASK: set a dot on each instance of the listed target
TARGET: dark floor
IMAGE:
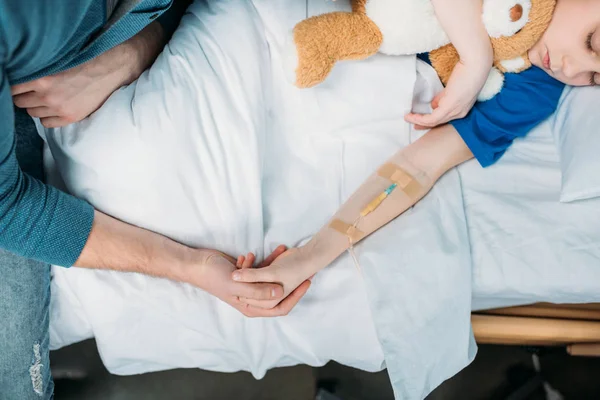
(496, 373)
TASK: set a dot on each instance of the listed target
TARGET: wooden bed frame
(576, 327)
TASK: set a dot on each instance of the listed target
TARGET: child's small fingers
(249, 262)
(439, 116)
(412, 118)
(427, 120)
(273, 256)
(239, 262)
(418, 119)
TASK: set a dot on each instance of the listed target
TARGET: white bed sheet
(503, 222)
(213, 91)
(526, 246)
(270, 164)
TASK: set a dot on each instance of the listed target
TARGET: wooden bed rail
(576, 326)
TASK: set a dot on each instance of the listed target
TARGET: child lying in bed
(567, 54)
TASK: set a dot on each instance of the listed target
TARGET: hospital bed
(576, 326)
(164, 154)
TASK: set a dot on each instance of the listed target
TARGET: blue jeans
(25, 300)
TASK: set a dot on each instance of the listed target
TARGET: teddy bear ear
(505, 17)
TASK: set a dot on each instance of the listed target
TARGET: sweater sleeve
(36, 221)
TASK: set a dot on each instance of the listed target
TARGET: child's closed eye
(588, 42)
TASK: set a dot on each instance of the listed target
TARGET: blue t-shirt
(526, 99)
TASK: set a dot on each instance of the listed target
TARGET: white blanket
(184, 152)
(213, 148)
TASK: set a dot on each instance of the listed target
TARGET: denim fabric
(25, 299)
(24, 337)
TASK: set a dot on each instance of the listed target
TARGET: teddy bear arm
(323, 40)
(443, 61)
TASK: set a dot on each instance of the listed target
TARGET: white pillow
(576, 129)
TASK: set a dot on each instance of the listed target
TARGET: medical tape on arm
(405, 181)
(352, 233)
(349, 230)
(412, 185)
(401, 179)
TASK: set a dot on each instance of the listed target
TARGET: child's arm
(426, 160)
(527, 99)
(463, 23)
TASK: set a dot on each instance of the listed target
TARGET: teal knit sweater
(39, 38)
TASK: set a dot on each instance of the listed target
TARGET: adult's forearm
(115, 245)
(144, 48)
(429, 158)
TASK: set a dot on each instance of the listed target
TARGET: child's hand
(289, 268)
(457, 98)
(216, 280)
(249, 259)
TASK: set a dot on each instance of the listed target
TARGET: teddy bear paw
(493, 85)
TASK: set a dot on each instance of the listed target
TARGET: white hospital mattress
(215, 149)
(219, 91)
(526, 246)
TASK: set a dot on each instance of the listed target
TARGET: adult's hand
(291, 268)
(72, 95)
(214, 276)
(118, 246)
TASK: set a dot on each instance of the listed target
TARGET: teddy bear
(405, 27)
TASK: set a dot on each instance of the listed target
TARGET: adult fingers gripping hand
(281, 309)
(212, 273)
(288, 269)
(252, 307)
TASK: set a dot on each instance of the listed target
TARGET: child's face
(569, 50)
